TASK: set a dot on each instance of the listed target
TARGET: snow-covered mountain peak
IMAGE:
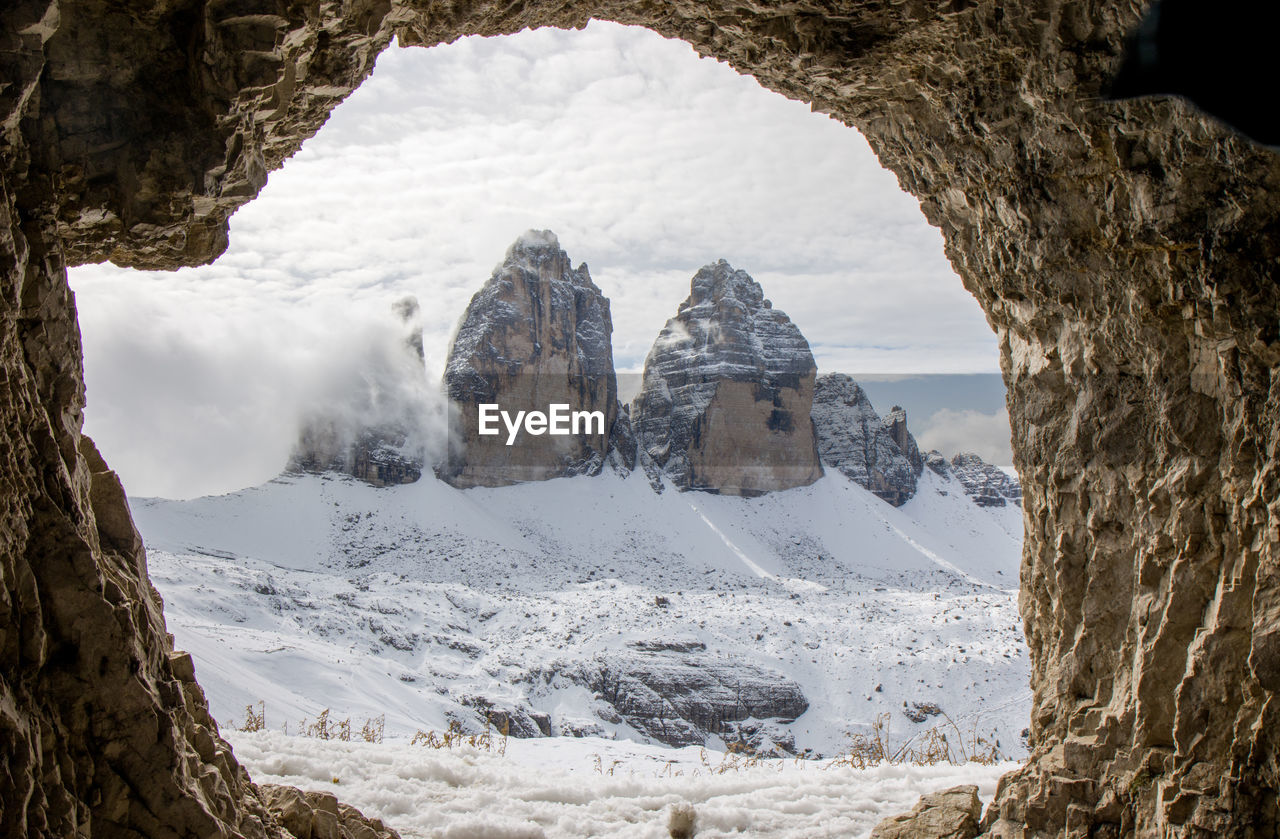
(720, 283)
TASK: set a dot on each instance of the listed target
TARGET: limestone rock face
(1124, 253)
(538, 333)
(319, 815)
(373, 430)
(987, 485)
(853, 439)
(727, 389)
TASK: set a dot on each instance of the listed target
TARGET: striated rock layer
(854, 439)
(537, 334)
(727, 390)
(1123, 252)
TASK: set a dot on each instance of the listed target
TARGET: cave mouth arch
(343, 219)
(1123, 253)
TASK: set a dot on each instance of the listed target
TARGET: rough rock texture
(537, 333)
(1123, 252)
(727, 390)
(319, 815)
(855, 440)
(987, 485)
(104, 728)
(951, 814)
(374, 433)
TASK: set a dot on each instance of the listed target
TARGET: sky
(647, 161)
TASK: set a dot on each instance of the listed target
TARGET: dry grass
(455, 737)
(254, 721)
(943, 743)
(324, 727)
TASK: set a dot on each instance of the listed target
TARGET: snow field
(556, 789)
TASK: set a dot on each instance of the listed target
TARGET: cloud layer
(646, 160)
(952, 432)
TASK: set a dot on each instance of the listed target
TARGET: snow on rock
(854, 439)
(714, 617)
(537, 333)
(561, 788)
(727, 387)
(987, 485)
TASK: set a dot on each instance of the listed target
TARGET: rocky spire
(537, 333)
(728, 385)
(895, 422)
(854, 439)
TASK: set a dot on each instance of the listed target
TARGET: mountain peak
(719, 280)
(727, 390)
(537, 333)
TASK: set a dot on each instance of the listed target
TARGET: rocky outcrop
(727, 390)
(1124, 253)
(895, 422)
(853, 439)
(373, 431)
(951, 814)
(538, 333)
(987, 485)
(679, 694)
(938, 463)
(319, 815)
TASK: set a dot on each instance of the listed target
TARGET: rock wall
(1124, 254)
(538, 333)
(727, 390)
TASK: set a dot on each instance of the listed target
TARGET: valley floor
(588, 606)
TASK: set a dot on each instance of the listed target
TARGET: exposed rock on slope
(373, 429)
(538, 333)
(1124, 252)
(987, 485)
(951, 814)
(855, 440)
(728, 386)
(678, 694)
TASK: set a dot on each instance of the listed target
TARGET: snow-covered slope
(573, 606)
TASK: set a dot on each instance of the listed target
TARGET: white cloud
(647, 161)
(952, 432)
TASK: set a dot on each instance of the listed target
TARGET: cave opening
(1123, 253)
(647, 162)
